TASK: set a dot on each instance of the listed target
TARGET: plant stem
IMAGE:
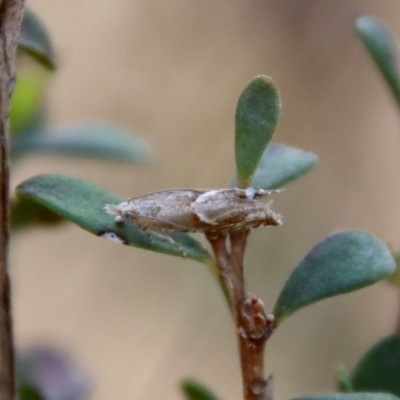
(11, 12)
(253, 326)
(221, 270)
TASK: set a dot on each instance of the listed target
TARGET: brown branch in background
(253, 326)
(11, 12)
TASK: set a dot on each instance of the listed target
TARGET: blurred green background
(172, 71)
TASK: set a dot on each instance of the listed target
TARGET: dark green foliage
(341, 263)
(27, 213)
(257, 115)
(27, 392)
(382, 47)
(349, 396)
(194, 390)
(91, 140)
(35, 40)
(379, 369)
(281, 164)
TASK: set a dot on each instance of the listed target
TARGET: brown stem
(11, 12)
(218, 244)
(253, 326)
(250, 321)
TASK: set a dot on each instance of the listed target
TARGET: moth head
(115, 211)
(120, 211)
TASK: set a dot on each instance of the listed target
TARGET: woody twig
(253, 326)
(11, 12)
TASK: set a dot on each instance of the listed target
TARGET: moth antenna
(269, 192)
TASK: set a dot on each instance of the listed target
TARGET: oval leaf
(341, 263)
(379, 369)
(193, 390)
(35, 40)
(257, 114)
(91, 140)
(281, 164)
(82, 203)
(382, 47)
(349, 396)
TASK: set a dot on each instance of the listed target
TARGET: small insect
(188, 210)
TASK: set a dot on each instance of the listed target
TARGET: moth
(189, 210)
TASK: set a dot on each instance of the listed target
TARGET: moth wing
(170, 196)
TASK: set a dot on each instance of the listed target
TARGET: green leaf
(349, 396)
(379, 369)
(382, 47)
(257, 114)
(281, 164)
(91, 140)
(341, 263)
(343, 378)
(82, 203)
(27, 100)
(394, 278)
(28, 392)
(26, 213)
(193, 390)
(35, 40)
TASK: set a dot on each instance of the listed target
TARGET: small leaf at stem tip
(349, 396)
(343, 379)
(101, 141)
(82, 203)
(35, 40)
(341, 263)
(379, 369)
(194, 390)
(382, 47)
(281, 164)
(257, 114)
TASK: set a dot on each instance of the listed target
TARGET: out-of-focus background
(172, 72)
